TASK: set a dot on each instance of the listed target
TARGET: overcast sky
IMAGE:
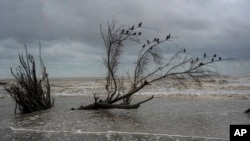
(72, 46)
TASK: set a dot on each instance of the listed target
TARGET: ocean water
(177, 113)
(222, 87)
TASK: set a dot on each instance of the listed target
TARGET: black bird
(122, 31)
(132, 28)
(184, 50)
(197, 59)
(127, 32)
(154, 40)
(148, 41)
(134, 33)
(158, 40)
(168, 37)
(143, 46)
(205, 55)
(212, 60)
(214, 55)
(151, 47)
(192, 61)
(139, 25)
(201, 64)
(139, 33)
(219, 58)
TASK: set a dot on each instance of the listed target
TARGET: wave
(112, 135)
(222, 87)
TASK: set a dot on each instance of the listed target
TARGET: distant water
(222, 87)
(177, 113)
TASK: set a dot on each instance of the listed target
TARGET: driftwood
(30, 93)
(104, 105)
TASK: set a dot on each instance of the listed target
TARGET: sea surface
(220, 87)
(177, 113)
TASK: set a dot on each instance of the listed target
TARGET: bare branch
(30, 93)
(150, 65)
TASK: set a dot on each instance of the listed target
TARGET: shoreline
(3, 83)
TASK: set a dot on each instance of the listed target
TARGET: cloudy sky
(72, 46)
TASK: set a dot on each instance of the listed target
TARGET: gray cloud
(69, 30)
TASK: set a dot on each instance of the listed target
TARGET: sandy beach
(168, 118)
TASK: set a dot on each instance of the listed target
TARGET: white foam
(224, 87)
(112, 132)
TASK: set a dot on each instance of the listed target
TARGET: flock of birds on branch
(205, 55)
(157, 40)
(126, 32)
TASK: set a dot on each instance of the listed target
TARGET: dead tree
(151, 66)
(30, 93)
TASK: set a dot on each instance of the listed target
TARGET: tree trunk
(104, 105)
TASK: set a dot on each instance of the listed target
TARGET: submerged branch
(104, 105)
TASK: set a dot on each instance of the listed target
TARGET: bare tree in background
(30, 93)
(150, 66)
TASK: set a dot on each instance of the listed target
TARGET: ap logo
(239, 132)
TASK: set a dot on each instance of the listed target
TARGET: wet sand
(168, 118)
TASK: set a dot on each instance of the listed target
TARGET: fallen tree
(150, 66)
(29, 92)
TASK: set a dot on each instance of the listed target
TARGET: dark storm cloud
(69, 29)
(21, 20)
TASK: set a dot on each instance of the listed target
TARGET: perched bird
(151, 47)
(132, 28)
(205, 55)
(122, 31)
(148, 41)
(201, 64)
(158, 40)
(168, 37)
(143, 46)
(139, 25)
(184, 50)
(154, 40)
(219, 58)
(197, 59)
(127, 32)
(192, 61)
(214, 55)
(212, 60)
(139, 33)
(134, 33)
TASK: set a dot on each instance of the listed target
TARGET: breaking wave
(23, 133)
(223, 87)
